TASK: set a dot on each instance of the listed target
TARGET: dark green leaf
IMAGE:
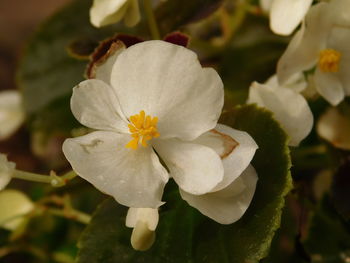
(172, 14)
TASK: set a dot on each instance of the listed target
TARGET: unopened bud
(142, 238)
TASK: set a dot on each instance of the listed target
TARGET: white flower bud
(6, 171)
(144, 221)
(11, 113)
(13, 206)
(142, 238)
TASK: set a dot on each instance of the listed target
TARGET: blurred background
(18, 21)
(46, 238)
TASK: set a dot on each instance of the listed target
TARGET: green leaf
(172, 14)
(183, 234)
(47, 70)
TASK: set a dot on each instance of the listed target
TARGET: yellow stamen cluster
(329, 60)
(143, 128)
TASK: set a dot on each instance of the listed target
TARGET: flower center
(329, 60)
(143, 128)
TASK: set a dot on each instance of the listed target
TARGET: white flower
(289, 107)
(144, 222)
(154, 100)
(334, 127)
(106, 12)
(11, 113)
(322, 42)
(285, 15)
(6, 170)
(13, 206)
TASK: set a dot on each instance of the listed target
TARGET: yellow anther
(142, 128)
(329, 60)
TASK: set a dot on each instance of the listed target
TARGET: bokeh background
(18, 21)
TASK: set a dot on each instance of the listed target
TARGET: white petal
(272, 81)
(197, 169)
(6, 171)
(167, 81)
(228, 205)
(296, 82)
(286, 15)
(303, 51)
(95, 105)
(11, 113)
(329, 86)
(344, 73)
(340, 10)
(266, 5)
(135, 178)
(339, 40)
(335, 128)
(237, 159)
(13, 205)
(148, 215)
(298, 56)
(289, 108)
(132, 15)
(105, 12)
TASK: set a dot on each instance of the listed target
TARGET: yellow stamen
(329, 60)
(142, 128)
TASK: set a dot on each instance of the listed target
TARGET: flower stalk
(231, 24)
(152, 23)
(53, 179)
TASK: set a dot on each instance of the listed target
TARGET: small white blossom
(144, 222)
(285, 15)
(156, 101)
(13, 206)
(106, 12)
(334, 127)
(289, 107)
(322, 43)
(11, 113)
(6, 170)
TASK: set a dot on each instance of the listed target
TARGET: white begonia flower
(13, 206)
(334, 127)
(6, 170)
(106, 12)
(156, 101)
(144, 222)
(289, 107)
(322, 42)
(285, 15)
(11, 113)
